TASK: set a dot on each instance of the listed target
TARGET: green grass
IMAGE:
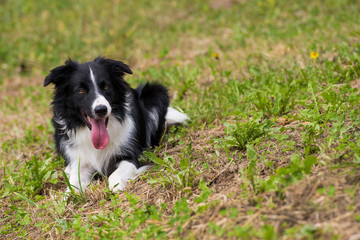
(272, 148)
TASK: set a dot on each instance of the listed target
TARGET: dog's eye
(106, 87)
(81, 91)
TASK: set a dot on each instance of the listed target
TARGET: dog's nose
(100, 110)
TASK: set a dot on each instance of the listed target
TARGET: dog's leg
(125, 172)
(67, 170)
(74, 176)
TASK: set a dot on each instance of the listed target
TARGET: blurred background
(39, 35)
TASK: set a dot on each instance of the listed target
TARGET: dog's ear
(115, 67)
(61, 73)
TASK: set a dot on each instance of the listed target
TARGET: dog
(102, 125)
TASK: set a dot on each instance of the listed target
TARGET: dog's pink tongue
(99, 134)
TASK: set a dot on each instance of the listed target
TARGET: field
(272, 150)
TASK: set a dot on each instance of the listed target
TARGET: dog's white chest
(79, 147)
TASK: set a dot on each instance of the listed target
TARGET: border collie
(102, 124)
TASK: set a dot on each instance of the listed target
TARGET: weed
(203, 197)
(286, 176)
(181, 213)
(310, 138)
(31, 178)
(251, 172)
(170, 175)
(276, 98)
(213, 228)
(240, 134)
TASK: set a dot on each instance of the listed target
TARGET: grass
(272, 149)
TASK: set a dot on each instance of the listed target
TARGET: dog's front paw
(125, 172)
(116, 184)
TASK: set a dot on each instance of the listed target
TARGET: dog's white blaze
(125, 172)
(80, 148)
(99, 99)
(92, 77)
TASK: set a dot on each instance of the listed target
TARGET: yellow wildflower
(314, 55)
(216, 55)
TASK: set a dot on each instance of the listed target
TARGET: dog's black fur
(73, 107)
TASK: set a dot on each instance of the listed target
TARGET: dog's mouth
(88, 120)
(98, 127)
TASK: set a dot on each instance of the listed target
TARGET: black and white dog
(102, 124)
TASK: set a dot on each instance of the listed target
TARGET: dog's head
(87, 93)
